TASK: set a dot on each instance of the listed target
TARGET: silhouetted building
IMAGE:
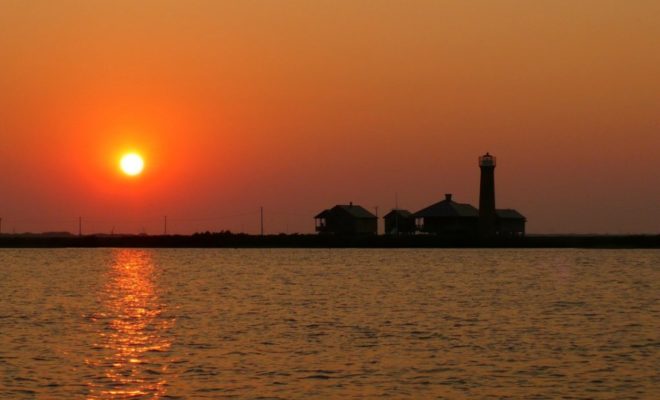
(487, 215)
(448, 218)
(510, 223)
(399, 222)
(494, 222)
(346, 220)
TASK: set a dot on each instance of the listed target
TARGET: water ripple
(298, 324)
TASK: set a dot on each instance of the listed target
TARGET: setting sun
(131, 164)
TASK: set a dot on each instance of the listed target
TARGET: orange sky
(300, 105)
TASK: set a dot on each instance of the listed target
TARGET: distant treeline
(228, 239)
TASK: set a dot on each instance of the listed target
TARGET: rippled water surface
(210, 324)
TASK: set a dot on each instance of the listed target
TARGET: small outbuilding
(448, 218)
(399, 222)
(346, 220)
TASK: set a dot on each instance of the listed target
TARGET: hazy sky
(299, 105)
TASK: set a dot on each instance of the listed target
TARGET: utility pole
(261, 213)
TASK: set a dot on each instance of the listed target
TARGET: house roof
(398, 212)
(322, 214)
(353, 210)
(447, 208)
(509, 213)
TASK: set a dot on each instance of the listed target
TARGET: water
(298, 324)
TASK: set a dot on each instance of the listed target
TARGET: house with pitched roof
(346, 220)
(399, 222)
(448, 218)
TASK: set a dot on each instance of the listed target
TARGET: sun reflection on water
(133, 332)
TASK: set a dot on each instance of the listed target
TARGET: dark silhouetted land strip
(231, 240)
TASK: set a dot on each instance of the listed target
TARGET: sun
(131, 164)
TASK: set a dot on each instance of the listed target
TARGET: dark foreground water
(210, 324)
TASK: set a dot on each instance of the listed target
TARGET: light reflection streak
(133, 332)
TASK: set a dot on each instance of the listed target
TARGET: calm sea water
(298, 324)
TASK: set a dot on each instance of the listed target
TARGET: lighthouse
(487, 214)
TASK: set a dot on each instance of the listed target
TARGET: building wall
(511, 227)
(366, 226)
(343, 224)
(455, 226)
(405, 225)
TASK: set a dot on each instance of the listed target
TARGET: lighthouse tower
(487, 216)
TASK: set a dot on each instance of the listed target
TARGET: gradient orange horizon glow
(296, 106)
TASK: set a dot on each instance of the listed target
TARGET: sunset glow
(299, 106)
(131, 164)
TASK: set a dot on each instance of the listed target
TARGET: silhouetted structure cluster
(445, 218)
(242, 240)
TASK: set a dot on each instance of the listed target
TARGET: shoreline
(230, 240)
